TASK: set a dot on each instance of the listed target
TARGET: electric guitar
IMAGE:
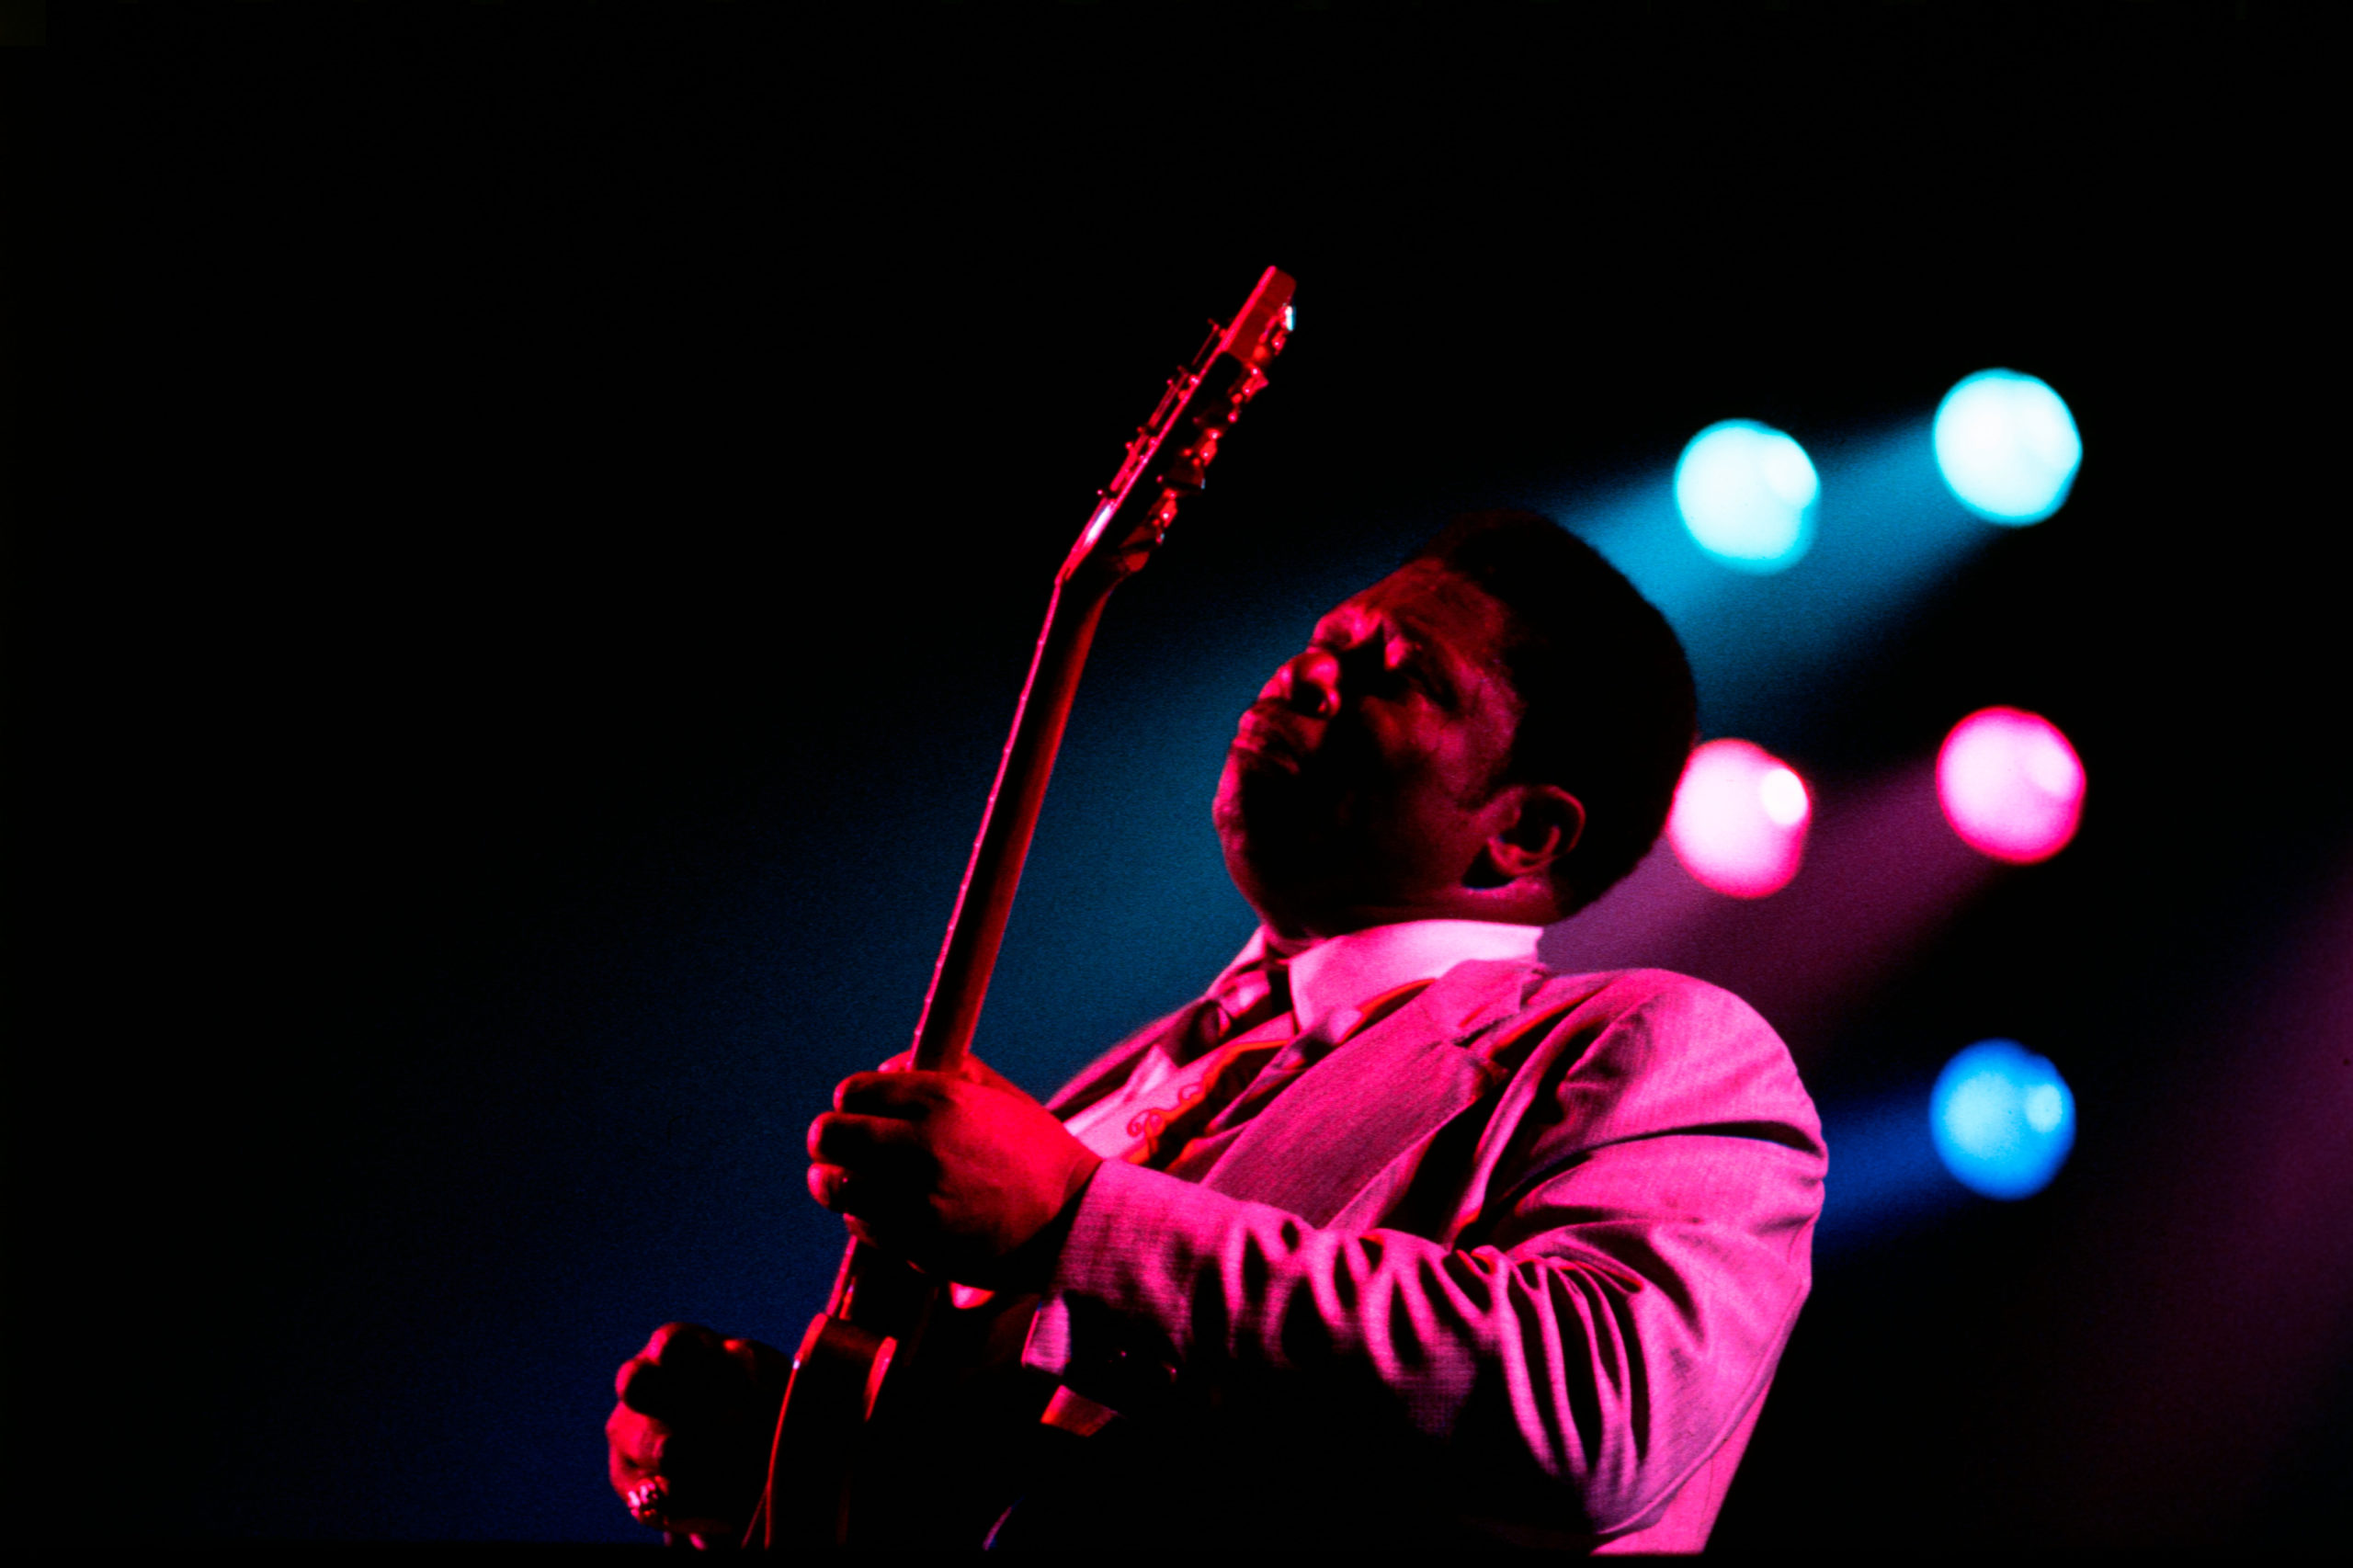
(859, 1351)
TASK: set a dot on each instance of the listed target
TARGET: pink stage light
(2011, 785)
(1739, 819)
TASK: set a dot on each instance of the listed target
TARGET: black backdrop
(552, 516)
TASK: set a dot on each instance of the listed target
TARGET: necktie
(1244, 1001)
(1232, 1033)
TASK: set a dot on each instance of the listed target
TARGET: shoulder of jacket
(1505, 988)
(1646, 1011)
(1650, 990)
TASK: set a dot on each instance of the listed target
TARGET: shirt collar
(1330, 977)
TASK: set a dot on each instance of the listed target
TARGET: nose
(1308, 683)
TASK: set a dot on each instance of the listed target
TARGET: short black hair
(1609, 711)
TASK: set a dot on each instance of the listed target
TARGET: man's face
(1353, 793)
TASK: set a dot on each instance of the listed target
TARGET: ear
(1545, 825)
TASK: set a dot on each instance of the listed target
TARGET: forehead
(1433, 606)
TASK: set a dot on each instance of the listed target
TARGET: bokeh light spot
(1783, 793)
(2008, 446)
(1739, 819)
(1748, 492)
(2003, 1120)
(2011, 785)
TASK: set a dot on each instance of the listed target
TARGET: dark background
(533, 576)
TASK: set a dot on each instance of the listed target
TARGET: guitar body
(879, 1360)
(838, 1378)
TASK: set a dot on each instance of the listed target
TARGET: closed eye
(1380, 661)
(1417, 667)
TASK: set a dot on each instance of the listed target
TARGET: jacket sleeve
(1610, 1306)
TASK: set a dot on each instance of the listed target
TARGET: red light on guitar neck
(1101, 520)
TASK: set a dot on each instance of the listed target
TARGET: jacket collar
(1331, 978)
(1391, 1087)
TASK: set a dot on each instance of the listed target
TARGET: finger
(754, 1356)
(643, 1383)
(684, 1346)
(905, 1095)
(621, 1470)
(976, 1070)
(636, 1442)
(855, 1196)
(674, 1340)
(655, 1389)
(969, 1068)
(769, 1367)
(678, 1346)
(683, 1371)
(873, 1144)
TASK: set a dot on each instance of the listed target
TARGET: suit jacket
(1515, 1265)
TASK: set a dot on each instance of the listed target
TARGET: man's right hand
(696, 1417)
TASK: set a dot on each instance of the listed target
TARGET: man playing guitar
(1396, 1238)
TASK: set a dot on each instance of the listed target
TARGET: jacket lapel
(1329, 1135)
(1108, 1071)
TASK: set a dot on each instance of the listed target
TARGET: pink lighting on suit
(1739, 819)
(2011, 785)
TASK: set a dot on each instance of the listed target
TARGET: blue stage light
(2003, 1118)
(1747, 492)
(2008, 446)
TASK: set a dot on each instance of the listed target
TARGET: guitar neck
(1164, 464)
(959, 981)
(879, 1306)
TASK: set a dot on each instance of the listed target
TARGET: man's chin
(1267, 818)
(1259, 795)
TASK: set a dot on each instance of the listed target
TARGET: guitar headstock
(1166, 461)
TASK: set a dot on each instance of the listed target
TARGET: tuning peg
(1249, 385)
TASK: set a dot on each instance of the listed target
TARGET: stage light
(2011, 785)
(1747, 492)
(2008, 446)
(2003, 1120)
(1739, 819)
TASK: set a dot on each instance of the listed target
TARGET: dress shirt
(1327, 978)
(1189, 1094)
